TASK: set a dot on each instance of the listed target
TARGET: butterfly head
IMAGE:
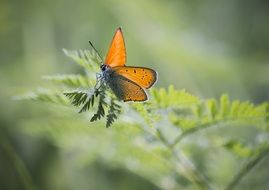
(106, 72)
(104, 67)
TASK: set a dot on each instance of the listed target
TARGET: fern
(100, 111)
(172, 98)
(89, 60)
(77, 97)
(169, 116)
(240, 149)
(211, 111)
(113, 112)
(44, 95)
(72, 81)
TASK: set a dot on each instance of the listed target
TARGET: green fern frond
(44, 95)
(187, 110)
(239, 149)
(84, 98)
(87, 99)
(113, 112)
(212, 113)
(148, 111)
(184, 123)
(89, 103)
(224, 105)
(99, 114)
(77, 97)
(212, 109)
(100, 110)
(169, 116)
(85, 58)
(235, 110)
(73, 81)
(172, 98)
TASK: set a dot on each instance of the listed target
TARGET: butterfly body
(127, 83)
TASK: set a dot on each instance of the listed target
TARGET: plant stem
(191, 172)
(19, 165)
(190, 131)
(205, 125)
(246, 169)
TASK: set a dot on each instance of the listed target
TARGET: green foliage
(158, 126)
(89, 60)
(113, 112)
(72, 81)
(78, 98)
(44, 95)
(172, 98)
(100, 111)
(239, 148)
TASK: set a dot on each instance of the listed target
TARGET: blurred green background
(206, 47)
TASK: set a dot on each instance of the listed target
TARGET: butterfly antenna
(96, 51)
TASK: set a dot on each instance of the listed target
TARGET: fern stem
(191, 171)
(190, 131)
(246, 169)
(19, 165)
(206, 125)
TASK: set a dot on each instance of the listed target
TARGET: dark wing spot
(126, 70)
(134, 71)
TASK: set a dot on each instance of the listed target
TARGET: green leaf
(172, 98)
(100, 110)
(113, 112)
(44, 95)
(212, 108)
(74, 81)
(169, 116)
(239, 149)
(77, 97)
(224, 105)
(85, 58)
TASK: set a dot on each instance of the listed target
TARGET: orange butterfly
(127, 83)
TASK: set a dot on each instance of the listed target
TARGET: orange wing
(126, 89)
(144, 77)
(116, 55)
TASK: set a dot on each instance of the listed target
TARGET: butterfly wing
(116, 55)
(144, 77)
(126, 89)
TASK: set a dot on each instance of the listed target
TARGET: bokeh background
(206, 47)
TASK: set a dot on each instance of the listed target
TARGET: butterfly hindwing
(116, 55)
(126, 89)
(144, 77)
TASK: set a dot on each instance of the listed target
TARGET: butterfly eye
(103, 67)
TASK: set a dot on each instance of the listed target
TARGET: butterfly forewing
(116, 55)
(142, 76)
(126, 89)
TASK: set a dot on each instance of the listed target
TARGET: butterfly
(127, 83)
